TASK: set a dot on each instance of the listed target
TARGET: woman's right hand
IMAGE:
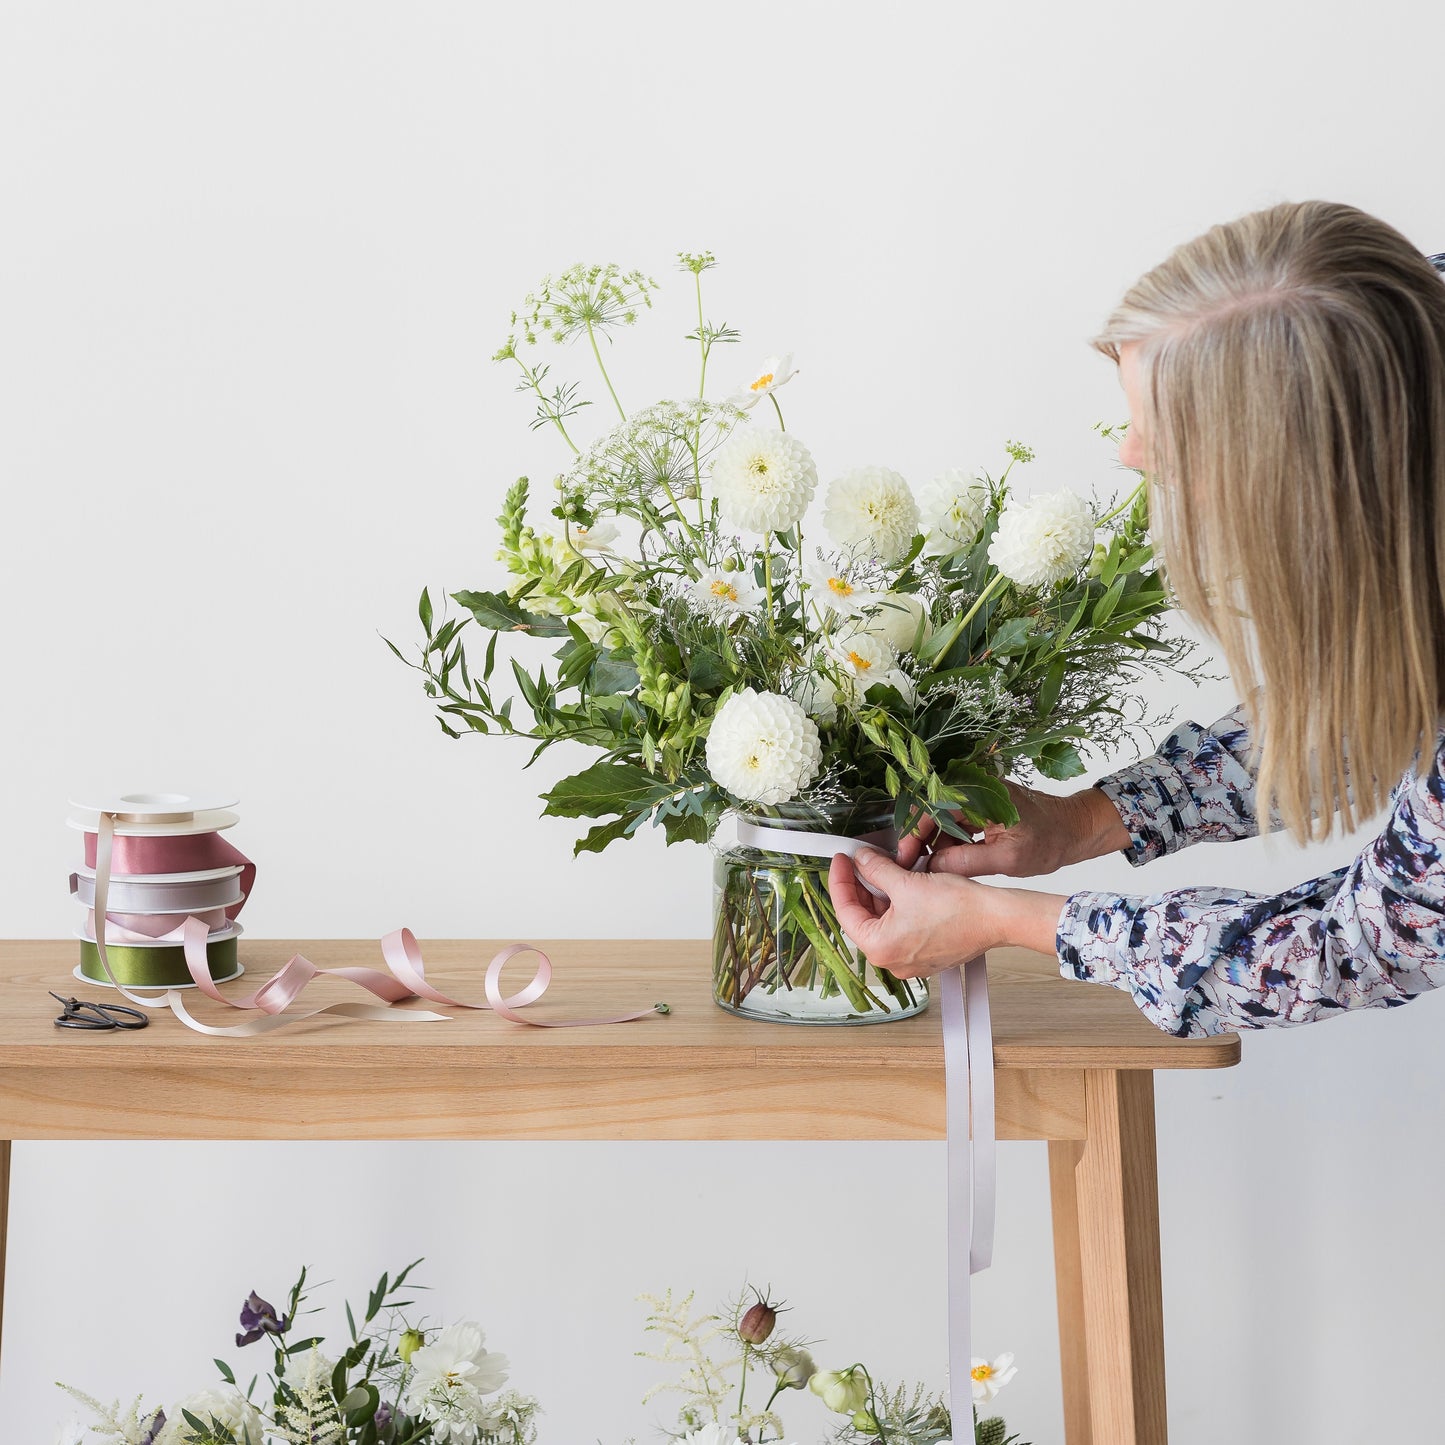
(1051, 833)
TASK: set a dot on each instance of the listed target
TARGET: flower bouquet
(723, 647)
(389, 1384)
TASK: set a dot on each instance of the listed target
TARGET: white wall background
(253, 261)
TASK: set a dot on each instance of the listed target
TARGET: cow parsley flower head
(872, 509)
(763, 747)
(764, 479)
(224, 1404)
(450, 1377)
(1044, 539)
(726, 594)
(952, 507)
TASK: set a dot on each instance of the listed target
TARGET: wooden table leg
(1064, 1156)
(4, 1220)
(1116, 1193)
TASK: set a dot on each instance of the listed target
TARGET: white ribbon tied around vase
(969, 1110)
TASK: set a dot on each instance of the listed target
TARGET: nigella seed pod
(757, 1323)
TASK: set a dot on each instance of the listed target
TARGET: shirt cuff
(1154, 805)
(1091, 927)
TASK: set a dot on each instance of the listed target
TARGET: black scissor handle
(82, 1014)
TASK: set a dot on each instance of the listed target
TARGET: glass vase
(779, 952)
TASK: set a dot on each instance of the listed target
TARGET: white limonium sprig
(873, 510)
(763, 748)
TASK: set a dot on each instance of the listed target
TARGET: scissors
(79, 1014)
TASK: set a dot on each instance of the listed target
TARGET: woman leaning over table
(1285, 375)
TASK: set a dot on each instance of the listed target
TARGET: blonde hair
(1292, 388)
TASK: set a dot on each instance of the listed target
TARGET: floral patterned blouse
(1208, 960)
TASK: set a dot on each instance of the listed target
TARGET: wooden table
(1074, 1068)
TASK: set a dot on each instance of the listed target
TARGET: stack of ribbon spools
(152, 861)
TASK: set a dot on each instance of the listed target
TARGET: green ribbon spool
(165, 967)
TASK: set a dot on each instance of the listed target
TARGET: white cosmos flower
(762, 747)
(450, 1376)
(726, 594)
(952, 508)
(990, 1376)
(831, 587)
(225, 1404)
(861, 659)
(764, 479)
(773, 373)
(895, 617)
(1043, 540)
(872, 509)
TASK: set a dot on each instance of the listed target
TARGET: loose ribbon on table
(165, 853)
(406, 980)
(969, 1109)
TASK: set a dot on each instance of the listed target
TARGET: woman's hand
(1051, 833)
(928, 922)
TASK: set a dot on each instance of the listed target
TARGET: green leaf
(1104, 607)
(1051, 686)
(225, 1370)
(604, 788)
(423, 609)
(613, 674)
(685, 828)
(1059, 760)
(596, 839)
(979, 793)
(1013, 636)
(360, 1405)
(502, 614)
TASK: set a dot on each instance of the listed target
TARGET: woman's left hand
(928, 922)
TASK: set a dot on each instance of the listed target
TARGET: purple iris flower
(383, 1416)
(259, 1318)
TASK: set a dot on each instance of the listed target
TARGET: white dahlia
(896, 617)
(871, 508)
(834, 587)
(1043, 540)
(763, 747)
(225, 1404)
(952, 507)
(726, 594)
(763, 479)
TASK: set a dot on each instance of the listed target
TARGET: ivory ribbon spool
(181, 893)
(137, 965)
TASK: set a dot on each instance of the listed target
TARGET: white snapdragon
(726, 594)
(952, 507)
(1044, 539)
(764, 479)
(775, 371)
(762, 747)
(872, 509)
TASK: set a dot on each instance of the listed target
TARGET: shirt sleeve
(1211, 960)
(1198, 787)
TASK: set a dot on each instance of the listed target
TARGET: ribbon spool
(168, 864)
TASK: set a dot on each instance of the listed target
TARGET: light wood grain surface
(698, 1073)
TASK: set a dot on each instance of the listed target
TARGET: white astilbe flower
(764, 479)
(1043, 540)
(450, 1376)
(312, 1417)
(763, 747)
(834, 587)
(726, 594)
(872, 509)
(896, 618)
(952, 508)
(773, 373)
(224, 1404)
(990, 1376)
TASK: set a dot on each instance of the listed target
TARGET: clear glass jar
(778, 950)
